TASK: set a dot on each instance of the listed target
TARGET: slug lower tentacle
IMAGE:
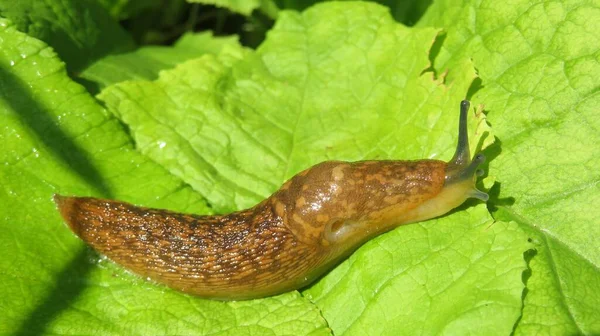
(285, 242)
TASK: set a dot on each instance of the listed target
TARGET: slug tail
(243, 255)
(68, 210)
(461, 169)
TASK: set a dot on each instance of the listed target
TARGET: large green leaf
(339, 81)
(454, 276)
(539, 64)
(80, 31)
(293, 104)
(57, 139)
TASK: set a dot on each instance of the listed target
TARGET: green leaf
(454, 275)
(80, 31)
(539, 65)
(407, 12)
(339, 81)
(146, 62)
(284, 105)
(57, 139)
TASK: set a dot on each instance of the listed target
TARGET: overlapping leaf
(539, 65)
(310, 93)
(57, 139)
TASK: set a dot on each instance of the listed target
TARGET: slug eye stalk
(461, 168)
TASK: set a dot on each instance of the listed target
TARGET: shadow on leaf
(45, 129)
(68, 286)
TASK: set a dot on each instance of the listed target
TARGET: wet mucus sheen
(285, 242)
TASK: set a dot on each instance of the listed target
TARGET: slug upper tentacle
(460, 168)
(285, 242)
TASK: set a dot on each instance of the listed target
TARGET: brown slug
(285, 242)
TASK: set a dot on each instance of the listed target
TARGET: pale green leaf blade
(57, 139)
(539, 64)
(293, 104)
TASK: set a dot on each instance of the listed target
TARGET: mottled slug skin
(285, 242)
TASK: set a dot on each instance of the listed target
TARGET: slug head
(347, 203)
(459, 178)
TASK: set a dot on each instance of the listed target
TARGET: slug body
(313, 221)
